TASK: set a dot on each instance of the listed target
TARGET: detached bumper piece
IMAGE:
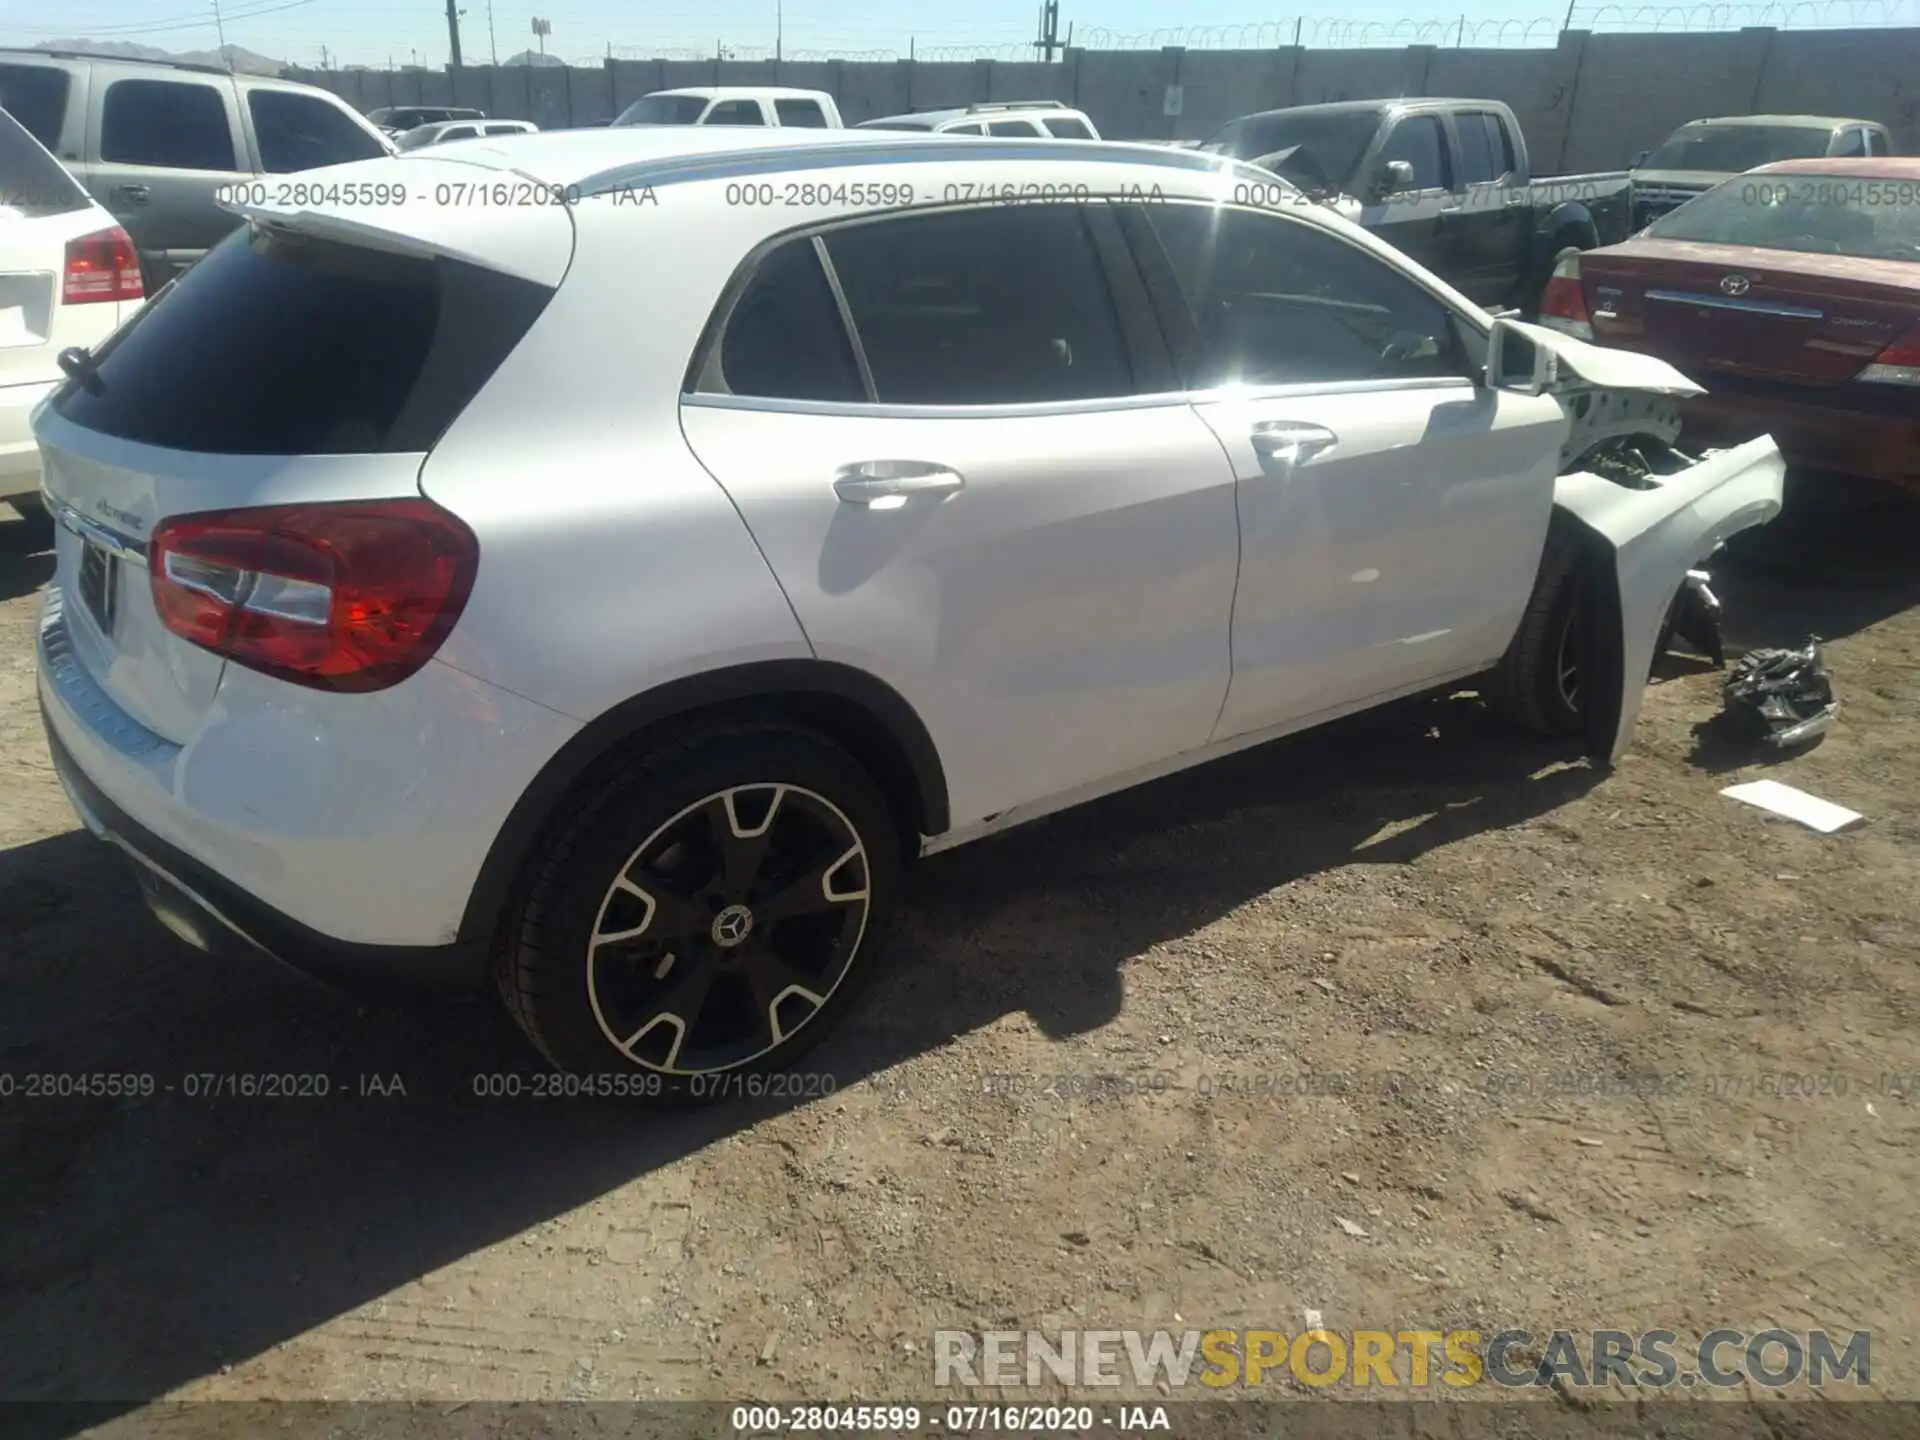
(1785, 696)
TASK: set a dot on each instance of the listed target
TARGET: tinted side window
(982, 307)
(1852, 141)
(1069, 129)
(177, 124)
(1013, 127)
(1277, 301)
(802, 114)
(36, 96)
(967, 129)
(305, 347)
(1476, 152)
(457, 132)
(298, 132)
(735, 112)
(505, 130)
(1417, 140)
(785, 339)
(1877, 143)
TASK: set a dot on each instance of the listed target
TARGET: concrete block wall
(1588, 103)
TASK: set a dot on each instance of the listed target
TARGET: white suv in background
(1008, 119)
(68, 276)
(612, 597)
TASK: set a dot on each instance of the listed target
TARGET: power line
(158, 27)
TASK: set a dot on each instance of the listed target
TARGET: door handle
(136, 193)
(1291, 441)
(872, 480)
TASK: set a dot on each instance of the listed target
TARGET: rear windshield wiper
(78, 363)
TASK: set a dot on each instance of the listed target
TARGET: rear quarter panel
(611, 562)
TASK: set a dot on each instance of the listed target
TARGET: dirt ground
(1372, 975)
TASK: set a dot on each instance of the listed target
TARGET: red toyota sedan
(1792, 293)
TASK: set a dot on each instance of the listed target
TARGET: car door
(294, 132)
(993, 497)
(160, 151)
(1409, 220)
(1485, 230)
(1392, 507)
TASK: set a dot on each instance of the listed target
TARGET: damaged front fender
(1649, 539)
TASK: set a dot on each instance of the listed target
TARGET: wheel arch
(1602, 618)
(862, 713)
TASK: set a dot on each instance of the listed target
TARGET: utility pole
(492, 49)
(1049, 40)
(453, 33)
(779, 27)
(220, 29)
(325, 62)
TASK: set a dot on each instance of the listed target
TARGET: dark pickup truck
(1445, 181)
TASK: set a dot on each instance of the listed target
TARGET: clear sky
(372, 31)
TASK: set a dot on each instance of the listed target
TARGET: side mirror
(1393, 177)
(1516, 361)
(1639, 159)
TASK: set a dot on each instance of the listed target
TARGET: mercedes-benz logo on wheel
(732, 925)
(1735, 285)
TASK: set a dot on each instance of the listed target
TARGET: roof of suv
(1803, 122)
(732, 92)
(611, 158)
(14, 55)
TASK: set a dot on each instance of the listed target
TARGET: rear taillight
(1562, 306)
(102, 266)
(351, 597)
(1898, 364)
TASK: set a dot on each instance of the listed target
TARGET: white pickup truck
(765, 105)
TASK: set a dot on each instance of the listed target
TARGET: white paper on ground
(1810, 810)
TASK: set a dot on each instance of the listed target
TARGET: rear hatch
(1785, 276)
(1806, 319)
(314, 355)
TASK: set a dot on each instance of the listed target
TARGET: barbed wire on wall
(1332, 33)
(1341, 33)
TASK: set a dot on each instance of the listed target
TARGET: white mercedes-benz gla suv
(600, 562)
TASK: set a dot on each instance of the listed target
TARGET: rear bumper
(215, 915)
(1853, 439)
(341, 834)
(19, 452)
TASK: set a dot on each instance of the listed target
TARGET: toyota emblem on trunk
(1735, 285)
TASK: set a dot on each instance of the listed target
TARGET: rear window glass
(1814, 214)
(31, 180)
(36, 96)
(1069, 129)
(663, 110)
(292, 346)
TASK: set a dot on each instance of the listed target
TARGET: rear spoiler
(422, 206)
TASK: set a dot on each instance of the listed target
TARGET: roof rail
(63, 54)
(1016, 105)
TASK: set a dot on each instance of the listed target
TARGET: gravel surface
(1406, 1021)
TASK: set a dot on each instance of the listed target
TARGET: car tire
(1537, 684)
(633, 952)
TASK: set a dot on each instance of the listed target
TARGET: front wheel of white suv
(709, 911)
